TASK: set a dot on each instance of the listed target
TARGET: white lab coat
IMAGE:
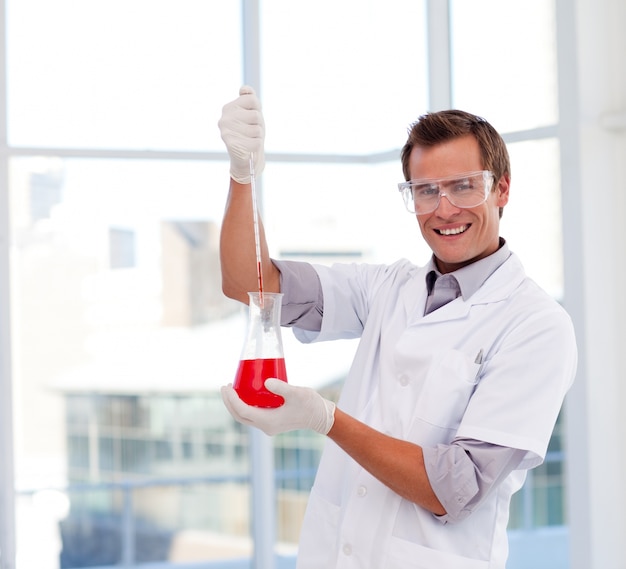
(415, 377)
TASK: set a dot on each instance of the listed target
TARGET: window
(117, 183)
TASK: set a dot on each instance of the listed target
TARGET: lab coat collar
(471, 277)
(502, 282)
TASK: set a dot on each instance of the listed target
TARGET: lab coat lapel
(453, 310)
(501, 283)
(496, 288)
(413, 296)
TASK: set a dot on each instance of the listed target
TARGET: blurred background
(115, 448)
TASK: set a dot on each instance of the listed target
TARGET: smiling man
(443, 146)
(460, 372)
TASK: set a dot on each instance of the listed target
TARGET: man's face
(458, 236)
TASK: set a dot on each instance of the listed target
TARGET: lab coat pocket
(446, 391)
(404, 554)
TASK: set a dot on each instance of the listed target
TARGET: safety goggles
(462, 190)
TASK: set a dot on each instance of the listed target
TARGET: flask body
(262, 355)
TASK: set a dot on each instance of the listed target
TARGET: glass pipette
(255, 218)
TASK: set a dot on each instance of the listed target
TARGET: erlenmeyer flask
(262, 355)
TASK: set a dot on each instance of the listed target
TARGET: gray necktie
(442, 290)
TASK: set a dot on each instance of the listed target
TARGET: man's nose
(445, 206)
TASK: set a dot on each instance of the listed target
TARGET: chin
(452, 264)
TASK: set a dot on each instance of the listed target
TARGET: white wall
(595, 200)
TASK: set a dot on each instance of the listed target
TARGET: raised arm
(243, 131)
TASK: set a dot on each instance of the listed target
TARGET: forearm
(396, 463)
(238, 248)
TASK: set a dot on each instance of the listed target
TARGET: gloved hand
(243, 131)
(303, 409)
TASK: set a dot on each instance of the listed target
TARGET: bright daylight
(294, 285)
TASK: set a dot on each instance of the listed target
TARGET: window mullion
(439, 58)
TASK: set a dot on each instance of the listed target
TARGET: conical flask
(262, 355)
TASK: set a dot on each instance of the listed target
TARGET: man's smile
(453, 230)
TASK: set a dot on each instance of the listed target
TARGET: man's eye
(425, 191)
(463, 186)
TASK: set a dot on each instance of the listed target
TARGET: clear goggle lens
(462, 190)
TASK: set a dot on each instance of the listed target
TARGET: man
(460, 372)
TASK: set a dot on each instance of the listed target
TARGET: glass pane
(548, 502)
(120, 363)
(146, 74)
(536, 199)
(504, 61)
(122, 338)
(330, 213)
(342, 77)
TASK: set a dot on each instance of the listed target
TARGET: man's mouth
(453, 231)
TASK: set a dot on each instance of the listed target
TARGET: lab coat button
(347, 549)
(362, 490)
(404, 380)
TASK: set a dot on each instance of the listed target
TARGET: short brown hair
(438, 127)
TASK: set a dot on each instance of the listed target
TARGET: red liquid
(250, 377)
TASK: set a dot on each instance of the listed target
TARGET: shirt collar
(471, 277)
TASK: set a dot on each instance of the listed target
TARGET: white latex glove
(243, 131)
(303, 409)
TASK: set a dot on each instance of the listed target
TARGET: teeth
(455, 231)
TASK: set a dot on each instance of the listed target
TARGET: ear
(503, 191)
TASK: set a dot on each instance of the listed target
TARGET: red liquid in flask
(251, 375)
